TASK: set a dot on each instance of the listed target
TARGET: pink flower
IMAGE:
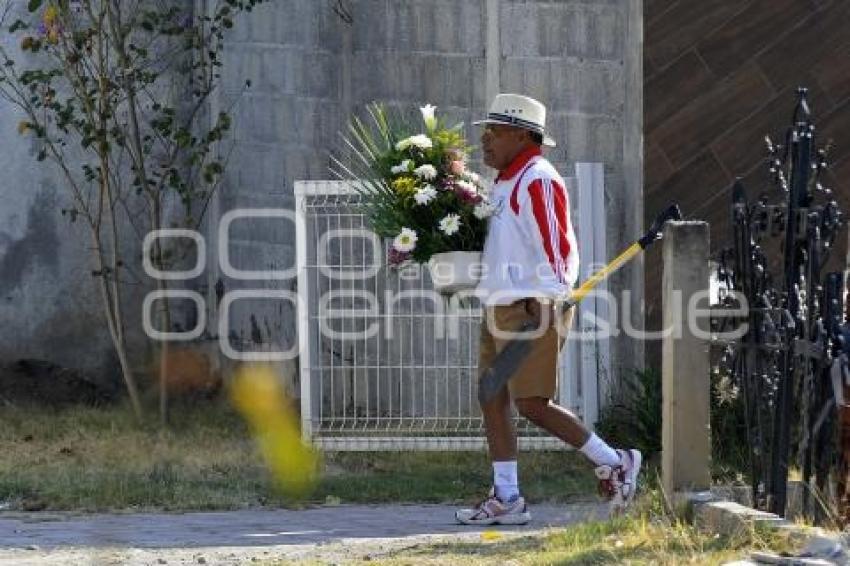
(457, 167)
(465, 191)
(395, 257)
(466, 196)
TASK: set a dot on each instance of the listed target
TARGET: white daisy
(426, 172)
(402, 167)
(421, 141)
(428, 117)
(406, 240)
(425, 195)
(450, 224)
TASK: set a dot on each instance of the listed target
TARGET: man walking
(530, 257)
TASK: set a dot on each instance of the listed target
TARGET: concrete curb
(712, 513)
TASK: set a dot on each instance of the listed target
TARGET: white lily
(428, 116)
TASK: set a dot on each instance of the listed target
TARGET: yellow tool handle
(672, 212)
(594, 280)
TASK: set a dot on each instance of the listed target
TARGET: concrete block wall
(310, 70)
(50, 304)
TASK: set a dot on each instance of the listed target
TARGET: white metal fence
(386, 364)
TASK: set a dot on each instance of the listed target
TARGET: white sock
(505, 480)
(599, 452)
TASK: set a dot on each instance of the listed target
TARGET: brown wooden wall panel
(758, 181)
(673, 32)
(835, 131)
(840, 176)
(656, 167)
(831, 73)
(683, 135)
(742, 147)
(750, 31)
(839, 181)
(719, 75)
(690, 185)
(808, 44)
(685, 79)
(656, 8)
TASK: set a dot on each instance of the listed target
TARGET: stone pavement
(328, 533)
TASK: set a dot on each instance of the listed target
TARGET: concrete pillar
(685, 441)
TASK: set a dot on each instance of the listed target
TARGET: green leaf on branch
(18, 25)
(211, 171)
(183, 138)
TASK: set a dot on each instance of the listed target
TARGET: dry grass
(100, 459)
(647, 536)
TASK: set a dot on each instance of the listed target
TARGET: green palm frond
(371, 160)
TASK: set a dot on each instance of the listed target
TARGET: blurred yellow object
(51, 13)
(491, 535)
(257, 394)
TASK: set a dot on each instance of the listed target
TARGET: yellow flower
(404, 185)
(50, 15)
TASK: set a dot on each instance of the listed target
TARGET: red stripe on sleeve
(562, 213)
(541, 216)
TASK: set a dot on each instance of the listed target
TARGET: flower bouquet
(417, 191)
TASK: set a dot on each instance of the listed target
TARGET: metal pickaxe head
(672, 212)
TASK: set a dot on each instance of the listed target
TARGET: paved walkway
(327, 533)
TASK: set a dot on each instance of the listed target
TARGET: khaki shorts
(537, 375)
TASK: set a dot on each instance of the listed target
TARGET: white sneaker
(618, 484)
(492, 511)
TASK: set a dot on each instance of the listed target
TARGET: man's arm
(546, 214)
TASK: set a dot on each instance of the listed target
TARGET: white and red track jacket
(531, 248)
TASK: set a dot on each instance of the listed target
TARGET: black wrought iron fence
(792, 359)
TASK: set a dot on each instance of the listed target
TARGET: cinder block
(241, 63)
(443, 26)
(371, 29)
(255, 254)
(590, 87)
(593, 30)
(281, 70)
(730, 519)
(590, 138)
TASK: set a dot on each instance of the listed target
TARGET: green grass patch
(101, 459)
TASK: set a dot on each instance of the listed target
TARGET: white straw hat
(520, 111)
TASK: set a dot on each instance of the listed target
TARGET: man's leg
(554, 419)
(503, 505)
(502, 444)
(617, 470)
(499, 426)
